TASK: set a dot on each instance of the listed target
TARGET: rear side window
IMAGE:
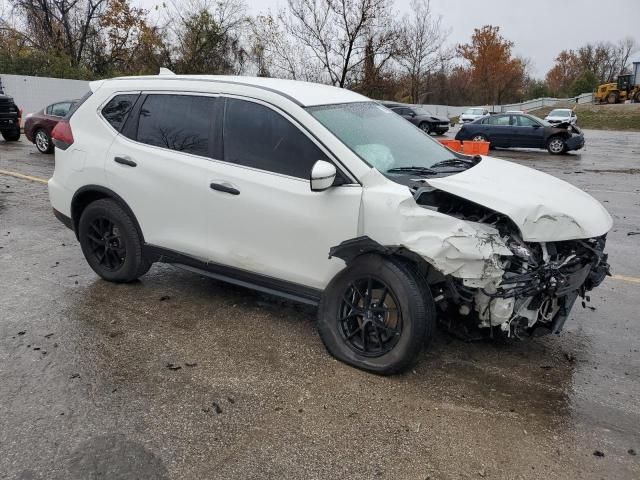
(256, 136)
(177, 122)
(116, 111)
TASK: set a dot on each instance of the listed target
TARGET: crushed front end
(539, 285)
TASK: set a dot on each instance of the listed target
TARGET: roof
(304, 93)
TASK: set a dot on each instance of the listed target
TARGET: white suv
(322, 196)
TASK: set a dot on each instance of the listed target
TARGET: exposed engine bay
(540, 284)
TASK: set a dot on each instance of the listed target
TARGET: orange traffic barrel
(454, 145)
(471, 147)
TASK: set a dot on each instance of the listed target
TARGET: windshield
(560, 113)
(381, 138)
(473, 111)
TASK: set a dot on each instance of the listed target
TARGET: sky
(538, 28)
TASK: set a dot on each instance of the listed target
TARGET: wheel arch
(89, 194)
(350, 250)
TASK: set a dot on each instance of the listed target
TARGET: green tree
(586, 82)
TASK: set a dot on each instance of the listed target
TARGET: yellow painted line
(625, 278)
(23, 176)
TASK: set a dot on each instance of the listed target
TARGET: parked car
(472, 114)
(562, 115)
(9, 119)
(522, 130)
(422, 118)
(322, 196)
(38, 126)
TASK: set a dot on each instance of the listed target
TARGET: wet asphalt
(179, 376)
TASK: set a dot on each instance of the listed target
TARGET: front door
(263, 216)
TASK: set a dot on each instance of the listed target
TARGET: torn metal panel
(453, 246)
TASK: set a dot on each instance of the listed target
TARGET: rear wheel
(376, 315)
(637, 97)
(43, 142)
(612, 98)
(11, 135)
(111, 243)
(556, 145)
(425, 127)
(479, 138)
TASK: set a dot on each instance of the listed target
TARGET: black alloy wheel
(370, 320)
(106, 244)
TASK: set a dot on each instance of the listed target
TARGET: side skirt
(243, 278)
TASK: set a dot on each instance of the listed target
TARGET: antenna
(165, 71)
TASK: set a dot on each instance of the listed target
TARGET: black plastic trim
(236, 276)
(66, 221)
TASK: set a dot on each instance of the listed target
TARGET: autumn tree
(494, 71)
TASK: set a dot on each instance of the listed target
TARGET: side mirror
(323, 174)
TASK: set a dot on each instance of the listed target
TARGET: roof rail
(165, 71)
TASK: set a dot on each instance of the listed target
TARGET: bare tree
(61, 25)
(422, 45)
(335, 33)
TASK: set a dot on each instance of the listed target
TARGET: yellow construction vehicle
(623, 89)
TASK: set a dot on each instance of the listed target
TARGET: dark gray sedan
(421, 117)
(522, 130)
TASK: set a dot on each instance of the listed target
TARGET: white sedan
(562, 115)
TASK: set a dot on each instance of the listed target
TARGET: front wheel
(43, 142)
(111, 243)
(556, 146)
(612, 98)
(11, 135)
(376, 315)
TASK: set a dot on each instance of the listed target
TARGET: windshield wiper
(416, 169)
(456, 161)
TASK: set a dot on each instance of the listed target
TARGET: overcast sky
(539, 28)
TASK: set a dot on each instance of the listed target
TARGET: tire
(380, 341)
(11, 135)
(103, 223)
(425, 127)
(556, 145)
(479, 138)
(612, 98)
(43, 141)
(637, 97)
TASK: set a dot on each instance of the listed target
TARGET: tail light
(62, 135)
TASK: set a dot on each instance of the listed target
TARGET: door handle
(125, 161)
(225, 188)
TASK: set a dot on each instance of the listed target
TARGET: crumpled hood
(544, 207)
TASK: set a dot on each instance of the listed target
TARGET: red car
(38, 126)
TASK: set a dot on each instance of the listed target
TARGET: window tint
(177, 122)
(256, 136)
(499, 120)
(116, 111)
(526, 121)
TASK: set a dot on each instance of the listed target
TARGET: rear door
(499, 130)
(160, 164)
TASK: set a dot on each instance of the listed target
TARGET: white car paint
(280, 228)
(472, 114)
(561, 115)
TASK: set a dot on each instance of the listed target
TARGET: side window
(49, 109)
(499, 120)
(116, 111)
(526, 121)
(258, 137)
(178, 122)
(60, 109)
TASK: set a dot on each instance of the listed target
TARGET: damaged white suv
(323, 196)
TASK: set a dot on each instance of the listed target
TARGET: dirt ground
(182, 377)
